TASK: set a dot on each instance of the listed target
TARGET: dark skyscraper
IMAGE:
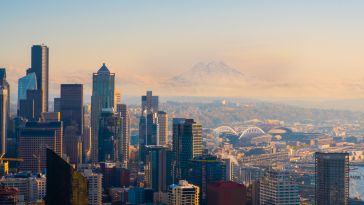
(149, 103)
(4, 109)
(72, 106)
(72, 117)
(187, 144)
(103, 89)
(158, 168)
(148, 133)
(122, 109)
(148, 123)
(64, 184)
(40, 65)
(332, 178)
(206, 169)
(110, 136)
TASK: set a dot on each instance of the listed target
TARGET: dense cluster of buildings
(77, 155)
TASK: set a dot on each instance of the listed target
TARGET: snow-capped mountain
(212, 73)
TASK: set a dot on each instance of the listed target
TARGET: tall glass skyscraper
(103, 89)
(28, 82)
(4, 109)
(187, 144)
(40, 65)
(332, 178)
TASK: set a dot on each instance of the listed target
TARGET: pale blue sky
(307, 41)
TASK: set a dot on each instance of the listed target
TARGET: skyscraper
(149, 103)
(72, 117)
(64, 184)
(187, 144)
(34, 138)
(163, 127)
(278, 187)
(206, 169)
(103, 88)
(110, 136)
(40, 65)
(183, 193)
(158, 168)
(332, 178)
(28, 82)
(4, 109)
(148, 123)
(72, 106)
(124, 113)
(148, 133)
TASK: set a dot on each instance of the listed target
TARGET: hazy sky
(300, 49)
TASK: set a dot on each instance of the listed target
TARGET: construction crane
(5, 161)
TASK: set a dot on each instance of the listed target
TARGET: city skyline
(290, 49)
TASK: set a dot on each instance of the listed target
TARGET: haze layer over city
(181, 102)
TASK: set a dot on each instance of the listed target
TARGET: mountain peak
(214, 67)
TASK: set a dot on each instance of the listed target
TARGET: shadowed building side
(65, 186)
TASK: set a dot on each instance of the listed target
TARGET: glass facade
(28, 82)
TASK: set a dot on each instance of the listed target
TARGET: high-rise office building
(158, 168)
(149, 103)
(148, 133)
(187, 144)
(40, 65)
(72, 106)
(226, 192)
(122, 109)
(206, 169)
(103, 87)
(72, 118)
(64, 184)
(4, 109)
(34, 138)
(278, 187)
(332, 178)
(110, 136)
(163, 128)
(28, 82)
(183, 193)
(94, 187)
(148, 123)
